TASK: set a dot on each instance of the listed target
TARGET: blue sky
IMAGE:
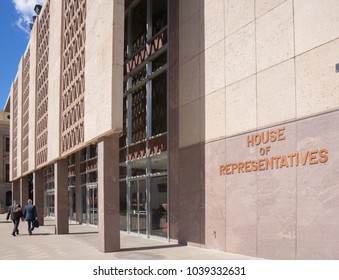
(15, 16)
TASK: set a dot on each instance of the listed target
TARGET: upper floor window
(7, 173)
(7, 145)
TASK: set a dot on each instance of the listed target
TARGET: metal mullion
(148, 117)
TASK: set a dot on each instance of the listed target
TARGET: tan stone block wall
(213, 124)
(104, 73)
(32, 103)
(19, 131)
(54, 82)
(274, 36)
(104, 80)
(238, 14)
(276, 101)
(286, 47)
(11, 133)
(240, 54)
(264, 6)
(316, 23)
(241, 113)
(317, 83)
(189, 123)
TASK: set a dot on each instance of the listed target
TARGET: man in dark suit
(30, 215)
(15, 212)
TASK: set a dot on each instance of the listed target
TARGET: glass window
(7, 144)
(159, 104)
(139, 17)
(159, 16)
(7, 173)
(123, 206)
(92, 151)
(138, 167)
(159, 163)
(139, 115)
(159, 206)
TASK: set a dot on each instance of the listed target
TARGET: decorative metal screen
(42, 86)
(15, 128)
(25, 111)
(73, 74)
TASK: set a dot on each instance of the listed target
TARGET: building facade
(5, 185)
(210, 123)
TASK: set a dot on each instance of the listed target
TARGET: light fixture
(30, 26)
(34, 18)
(37, 9)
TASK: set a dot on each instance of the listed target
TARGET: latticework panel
(15, 129)
(25, 111)
(73, 74)
(42, 86)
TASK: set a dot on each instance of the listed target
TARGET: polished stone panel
(187, 8)
(215, 222)
(191, 196)
(288, 211)
(38, 194)
(189, 36)
(241, 201)
(190, 123)
(173, 122)
(189, 87)
(24, 190)
(108, 194)
(277, 201)
(318, 192)
(16, 190)
(61, 196)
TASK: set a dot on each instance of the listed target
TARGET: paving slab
(82, 244)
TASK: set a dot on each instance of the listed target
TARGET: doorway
(138, 206)
(89, 194)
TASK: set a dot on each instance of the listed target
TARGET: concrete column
(16, 191)
(38, 194)
(78, 198)
(108, 194)
(24, 190)
(61, 196)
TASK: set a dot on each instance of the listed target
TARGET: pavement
(82, 244)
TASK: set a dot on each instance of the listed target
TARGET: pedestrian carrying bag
(36, 223)
(17, 212)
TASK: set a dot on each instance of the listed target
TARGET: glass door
(159, 206)
(71, 203)
(138, 206)
(92, 204)
(83, 218)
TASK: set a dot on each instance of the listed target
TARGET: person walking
(30, 215)
(15, 212)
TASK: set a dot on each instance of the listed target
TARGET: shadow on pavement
(151, 247)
